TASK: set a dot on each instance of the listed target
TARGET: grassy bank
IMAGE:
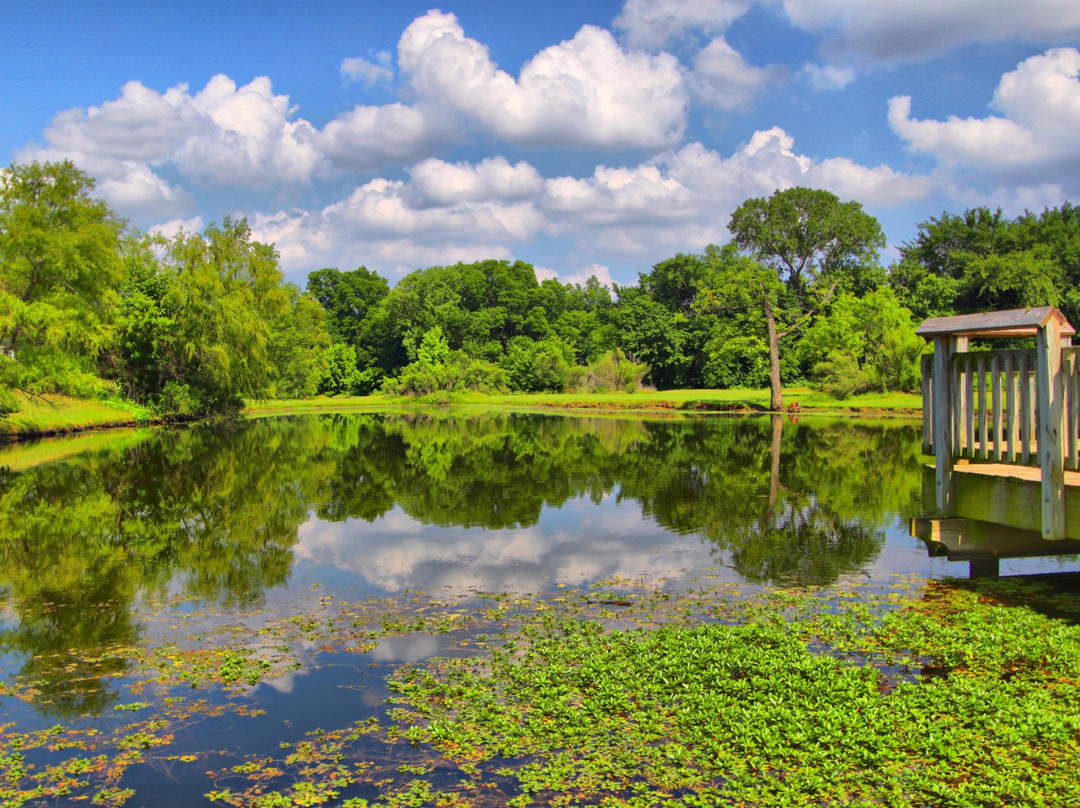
(647, 401)
(55, 414)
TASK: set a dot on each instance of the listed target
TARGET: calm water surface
(240, 524)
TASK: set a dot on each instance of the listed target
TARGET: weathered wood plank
(996, 420)
(944, 349)
(1051, 447)
(984, 452)
(1011, 390)
(1010, 323)
(927, 364)
(967, 405)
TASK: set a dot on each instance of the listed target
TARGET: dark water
(245, 522)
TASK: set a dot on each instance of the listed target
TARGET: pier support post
(944, 403)
(1051, 413)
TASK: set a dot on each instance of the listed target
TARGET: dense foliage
(197, 322)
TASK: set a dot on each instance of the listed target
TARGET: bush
(341, 376)
(437, 368)
(840, 376)
(614, 371)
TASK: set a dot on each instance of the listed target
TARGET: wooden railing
(994, 406)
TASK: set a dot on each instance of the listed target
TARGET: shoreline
(60, 416)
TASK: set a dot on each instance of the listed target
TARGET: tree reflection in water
(214, 512)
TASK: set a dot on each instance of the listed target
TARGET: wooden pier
(1009, 415)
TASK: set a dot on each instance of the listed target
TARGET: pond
(174, 603)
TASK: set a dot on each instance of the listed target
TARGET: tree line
(198, 322)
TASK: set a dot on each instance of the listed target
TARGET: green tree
(981, 261)
(298, 343)
(60, 269)
(540, 366)
(813, 245)
(211, 321)
(341, 375)
(348, 298)
(658, 322)
(438, 368)
(864, 343)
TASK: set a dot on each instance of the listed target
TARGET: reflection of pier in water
(984, 544)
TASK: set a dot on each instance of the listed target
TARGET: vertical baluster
(984, 448)
(958, 405)
(969, 408)
(1025, 408)
(927, 404)
(1033, 383)
(1010, 407)
(1068, 362)
(995, 398)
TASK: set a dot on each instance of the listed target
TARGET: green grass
(646, 401)
(51, 414)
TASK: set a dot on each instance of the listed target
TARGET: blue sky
(586, 137)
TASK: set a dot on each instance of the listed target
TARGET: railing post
(1050, 414)
(945, 347)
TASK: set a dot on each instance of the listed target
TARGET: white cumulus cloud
(827, 77)
(437, 182)
(1034, 137)
(884, 30)
(651, 24)
(367, 138)
(357, 68)
(586, 91)
(723, 78)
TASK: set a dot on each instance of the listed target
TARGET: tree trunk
(776, 398)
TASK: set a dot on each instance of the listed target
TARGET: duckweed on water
(941, 696)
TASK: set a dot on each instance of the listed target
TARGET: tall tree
(212, 321)
(980, 260)
(812, 245)
(348, 298)
(60, 268)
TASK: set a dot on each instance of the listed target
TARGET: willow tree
(60, 269)
(805, 245)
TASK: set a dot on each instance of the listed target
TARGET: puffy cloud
(723, 78)
(251, 139)
(827, 77)
(585, 92)
(682, 199)
(678, 200)
(173, 226)
(383, 208)
(440, 183)
(223, 135)
(580, 277)
(1032, 141)
(368, 138)
(370, 73)
(886, 30)
(390, 226)
(651, 24)
(139, 125)
(134, 186)
(130, 186)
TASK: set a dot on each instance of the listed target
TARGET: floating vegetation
(914, 694)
